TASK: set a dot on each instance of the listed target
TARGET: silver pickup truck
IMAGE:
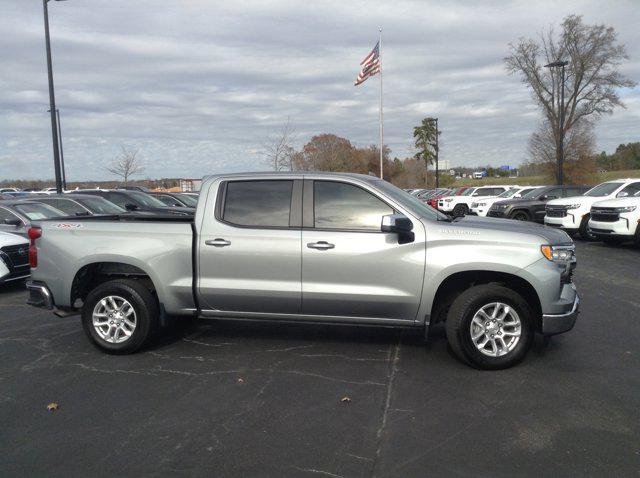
(317, 247)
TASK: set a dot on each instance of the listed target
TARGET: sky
(200, 86)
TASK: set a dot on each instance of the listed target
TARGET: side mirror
(544, 197)
(622, 194)
(14, 221)
(399, 224)
(130, 207)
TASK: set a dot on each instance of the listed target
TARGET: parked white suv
(616, 220)
(460, 205)
(14, 257)
(481, 207)
(572, 213)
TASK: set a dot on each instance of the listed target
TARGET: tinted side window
(553, 193)
(119, 199)
(344, 206)
(5, 214)
(70, 207)
(631, 189)
(258, 203)
(574, 192)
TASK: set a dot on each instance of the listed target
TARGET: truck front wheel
(120, 315)
(490, 327)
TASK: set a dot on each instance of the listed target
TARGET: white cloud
(198, 86)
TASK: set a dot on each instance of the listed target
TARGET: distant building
(187, 185)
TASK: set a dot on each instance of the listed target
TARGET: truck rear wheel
(120, 315)
(490, 327)
(460, 210)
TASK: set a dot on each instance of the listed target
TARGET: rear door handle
(320, 245)
(218, 242)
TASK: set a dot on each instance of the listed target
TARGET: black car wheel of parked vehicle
(461, 210)
(521, 216)
(584, 230)
(120, 315)
(490, 327)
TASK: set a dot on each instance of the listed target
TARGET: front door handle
(218, 242)
(320, 245)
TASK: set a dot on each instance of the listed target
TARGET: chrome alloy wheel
(114, 319)
(496, 329)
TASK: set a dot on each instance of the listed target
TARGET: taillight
(34, 233)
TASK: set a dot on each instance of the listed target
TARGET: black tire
(461, 313)
(521, 216)
(144, 305)
(584, 230)
(460, 210)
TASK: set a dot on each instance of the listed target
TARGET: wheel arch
(90, 275)
(451, 286)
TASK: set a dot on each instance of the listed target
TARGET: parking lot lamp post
(52, 102)
(560, 64)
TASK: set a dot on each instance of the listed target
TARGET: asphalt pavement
(227, 398)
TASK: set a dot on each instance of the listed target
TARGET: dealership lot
(263, 399)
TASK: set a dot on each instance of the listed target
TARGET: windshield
(145, 200)
(188, 200)
(508, 193)
(534, 193)
(603, 189)
(35, 211)
(406, 199)
(468, 192)
(99, 205)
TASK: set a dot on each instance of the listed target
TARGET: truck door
(249, 248)
(349, 267)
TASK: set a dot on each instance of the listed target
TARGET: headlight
(480, 204)
(448, 200)
(625, 209)
(573, 206)
(558, 253)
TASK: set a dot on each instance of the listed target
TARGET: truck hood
(8, 239)
(584, 201)
(618, 202)
(547, 235)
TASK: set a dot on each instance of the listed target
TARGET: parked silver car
(336, 248)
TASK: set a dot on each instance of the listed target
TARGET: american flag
(370, 65)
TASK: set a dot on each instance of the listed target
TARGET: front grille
(556, 212)
(18, 254)
(17, 260)
(604, 215)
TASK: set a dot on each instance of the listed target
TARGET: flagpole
(381, 117)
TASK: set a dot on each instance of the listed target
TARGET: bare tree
(279, 151)
(126, 165)
(592, 76)
(579, 150)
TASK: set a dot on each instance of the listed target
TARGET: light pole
(436, 150)
(64, 174)
(560, 64)
(52, 102)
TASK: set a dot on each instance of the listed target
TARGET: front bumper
(621, 227)
(553, 324)
(39, 295)
(570, 221)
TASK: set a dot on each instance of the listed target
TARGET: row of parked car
(609, 212)
(19, 208)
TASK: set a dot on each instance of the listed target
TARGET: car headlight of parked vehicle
(558, 253)
(448, 200)
(625, 209)
(573, 206)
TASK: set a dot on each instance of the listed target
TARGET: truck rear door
(249, 249)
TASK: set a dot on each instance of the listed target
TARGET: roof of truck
(366, 177)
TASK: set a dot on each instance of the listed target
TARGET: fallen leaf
(53, 406)
(345, 400)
